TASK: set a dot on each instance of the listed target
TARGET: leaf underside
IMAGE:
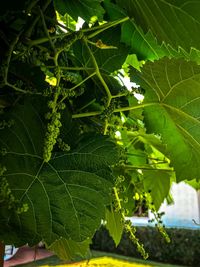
(172, 99)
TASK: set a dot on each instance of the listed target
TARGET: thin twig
(107, 26)
(79, 84)
(6, 63)
(98, 73)
(30, 29)
(46, 30)
(21, 90)
(195, 222)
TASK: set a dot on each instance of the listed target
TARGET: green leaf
(170, 21)
(67, 196)
(172, 100)
(100, 146)
(69, 249)
(133, 61)
(145, 46)
(157, 182)
(114, 225)
(80, 8)
(113, 12)
(108, 60)
(194, 183)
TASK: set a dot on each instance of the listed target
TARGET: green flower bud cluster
(131, 230)
(8, 124)
(3, 151)
(2, 170)
(7, 199)
(66, 42)
(70, 93)
(161, 229)
(119, 180)
(128, 227)
(37, 57)
(47, 91)
(119, 201)
(72, 77)
(22, 209)
(157, 218)
(6, 196)
(53, 131)
(108, 112)
(121, 190)
(62, 145)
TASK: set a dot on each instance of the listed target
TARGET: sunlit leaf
(157, 183)
(172, 99)
(114, 225)
(80, 8)
(69, 249)
(170, 21)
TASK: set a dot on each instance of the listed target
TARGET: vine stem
(59, 24)
(8, 58)
(98, 29)
(117, 199)
(98, 73)
(107, 26)
(30, 29)
(21, 90)
(79, 84)
(130, 167)
(46, 30)
(45, 39)
(71, 68)
(96, 113)
(31, 6)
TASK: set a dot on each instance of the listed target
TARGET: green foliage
(79, 182)
(171, 109)
(76, 146)
(85, 8)
(158, 185)
(114, 224)
(170, 21)
(69, 249)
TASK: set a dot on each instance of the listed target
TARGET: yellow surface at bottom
(102, 262)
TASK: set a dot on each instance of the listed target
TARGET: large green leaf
(170, 21)
(69, 249)
(80, 8)
(194, 183)
(66, 196)
(114, 224)
(172, 100)
(144, 45)
(157, 182)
